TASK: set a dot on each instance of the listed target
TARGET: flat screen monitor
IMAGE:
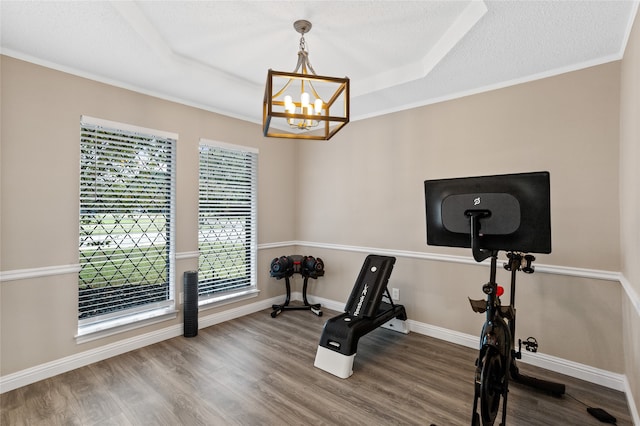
(512, 211)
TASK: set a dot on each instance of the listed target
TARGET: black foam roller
(190, 307)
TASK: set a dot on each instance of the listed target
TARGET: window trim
(105, 325)
(251, 291)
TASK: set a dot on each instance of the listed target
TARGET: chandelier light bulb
(304, 99)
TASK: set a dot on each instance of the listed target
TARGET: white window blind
(126, 251)
(227, 234)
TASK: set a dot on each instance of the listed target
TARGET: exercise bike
(496, 362)
(514, 212)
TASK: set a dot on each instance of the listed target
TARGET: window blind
(227, 236)
(127, 187)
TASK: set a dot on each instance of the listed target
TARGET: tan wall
(363, 188)
(367, 183)
(367, 191)
(41, 111)
(630, 205)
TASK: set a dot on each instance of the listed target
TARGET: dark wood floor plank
(258, 370)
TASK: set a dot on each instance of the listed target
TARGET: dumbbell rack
(315, 308)
(308, 267)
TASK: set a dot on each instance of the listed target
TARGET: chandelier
(302, 104)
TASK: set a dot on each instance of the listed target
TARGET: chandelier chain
(303, 43)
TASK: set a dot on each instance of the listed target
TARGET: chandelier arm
(309, 65)
(313, 90)
(283, 89)
(301, 62)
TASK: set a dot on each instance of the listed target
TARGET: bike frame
(495, 332)
(496, 338)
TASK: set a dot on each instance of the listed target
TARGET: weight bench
(365, 311)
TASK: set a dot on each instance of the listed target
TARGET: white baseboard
(445, 334)
(326, 303)
(605, 378)
(559, 365)
(633, 408)
(62, 365)
(573, 369)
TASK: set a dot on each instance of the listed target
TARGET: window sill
(215, 301)
(99, 330)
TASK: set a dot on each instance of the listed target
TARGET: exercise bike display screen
(513, 211)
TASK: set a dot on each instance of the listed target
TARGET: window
(227, 237)
(126, 251)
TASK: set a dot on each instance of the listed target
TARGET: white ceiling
(398, 54)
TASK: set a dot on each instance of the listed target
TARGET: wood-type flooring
(258, 370)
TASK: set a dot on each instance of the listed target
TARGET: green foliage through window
(126, 189)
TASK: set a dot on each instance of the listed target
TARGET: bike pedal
(531, 344)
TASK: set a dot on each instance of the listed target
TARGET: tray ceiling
(398, 54)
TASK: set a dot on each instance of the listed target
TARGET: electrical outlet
(395, 293)
(180, 296)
